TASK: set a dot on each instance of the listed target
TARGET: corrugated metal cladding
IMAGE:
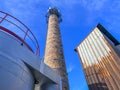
(100, 62)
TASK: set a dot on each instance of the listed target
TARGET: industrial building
(99, 54)
(20, 65)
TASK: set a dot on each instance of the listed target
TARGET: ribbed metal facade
(54, 56)
(100, 61)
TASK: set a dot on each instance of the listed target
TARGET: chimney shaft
(54, 56)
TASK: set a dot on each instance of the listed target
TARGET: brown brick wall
(54, 57)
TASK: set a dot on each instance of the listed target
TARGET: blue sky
(79, 18)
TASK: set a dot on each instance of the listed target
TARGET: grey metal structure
(20, 68)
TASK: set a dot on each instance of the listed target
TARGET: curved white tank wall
(16, 75)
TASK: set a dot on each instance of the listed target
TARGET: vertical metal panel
(100, 62)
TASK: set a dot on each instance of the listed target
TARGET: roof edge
(110, 36)
(104, 31)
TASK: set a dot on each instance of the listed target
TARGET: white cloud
(93, 4)
(64, 3)
(22, 8)
(113, 16)
(87, 4)
(115, 6)
(70, 68)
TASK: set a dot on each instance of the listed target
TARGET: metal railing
(18, 25)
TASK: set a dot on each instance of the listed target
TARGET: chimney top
(55, 11)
